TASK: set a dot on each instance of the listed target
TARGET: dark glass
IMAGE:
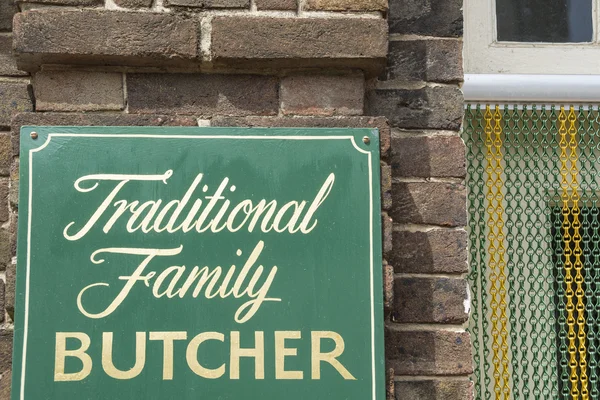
(552, 21)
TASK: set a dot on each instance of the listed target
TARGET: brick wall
(428, 350)
(289, 63)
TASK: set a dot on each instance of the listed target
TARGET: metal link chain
(534, 236)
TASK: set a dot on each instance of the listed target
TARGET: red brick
(9, 292)
(430, 300)
(322, 95)
(5, 383)
(4, 200)
(276, 4)
(347, 5)
(15, 98)
(428, 156)
(431, 203)
(78, 91)
(431, 60)
(5, 153)
(104, 37)
(7, 9)
(202, 95)
(428, 352)
(433, 251)
(8, 64)
(134, 3)
(434, 389)
(387, 228)
(423, 108)
(205, 4)
(6, 341)
(242, 41)
(386, 186)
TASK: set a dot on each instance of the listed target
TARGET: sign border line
(179, 136)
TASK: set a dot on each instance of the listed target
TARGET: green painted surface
(127, 271)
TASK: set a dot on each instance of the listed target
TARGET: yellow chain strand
(577, 252)
(497, 262)
(501, 251)
(570, 195)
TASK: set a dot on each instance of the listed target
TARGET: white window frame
(483, 54)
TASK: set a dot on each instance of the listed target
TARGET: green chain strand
(511, 182)
(472, 178)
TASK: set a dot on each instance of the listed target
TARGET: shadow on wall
(428, 197)
(416, 197)
(429, 107)
(430, 299)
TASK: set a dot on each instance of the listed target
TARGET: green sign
(198, 263)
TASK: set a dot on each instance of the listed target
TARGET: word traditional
(159, 216)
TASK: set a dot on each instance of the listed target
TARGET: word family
(208, 282)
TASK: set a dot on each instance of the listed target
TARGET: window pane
(557, 21)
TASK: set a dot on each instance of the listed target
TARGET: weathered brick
(2, 313)
(8, 64)
(5, 254)
(428, 107)
(432, 203)
(299, 42)
(390, 384)
(5, 382)
(434, 251)
(5, 153)
(387, 231)
(105, 37)
(202, 95)
(13, 190)
(78, 91)
(9, 290)
(388, 286)
(12, 230)
(428, 156)
(322, 95)
(50, 3)
(430, 300)
(209, 3)
(428, 352)
(4, 200)
(6, 337)
(434, 389)
(276, 4)
(134, 3)
(386, 186)
(347, 5)
(314, 122)
(93, 119)
(8, 8)
(15, 98)
(426, 17)
(432, 60)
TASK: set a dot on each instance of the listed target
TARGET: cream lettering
(139, 204)
(213, 212)
(227, 347)
(210, 283)
(122, 179)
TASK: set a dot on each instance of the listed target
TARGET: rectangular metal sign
(198, 263)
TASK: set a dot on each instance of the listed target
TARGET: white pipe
(488, 88)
